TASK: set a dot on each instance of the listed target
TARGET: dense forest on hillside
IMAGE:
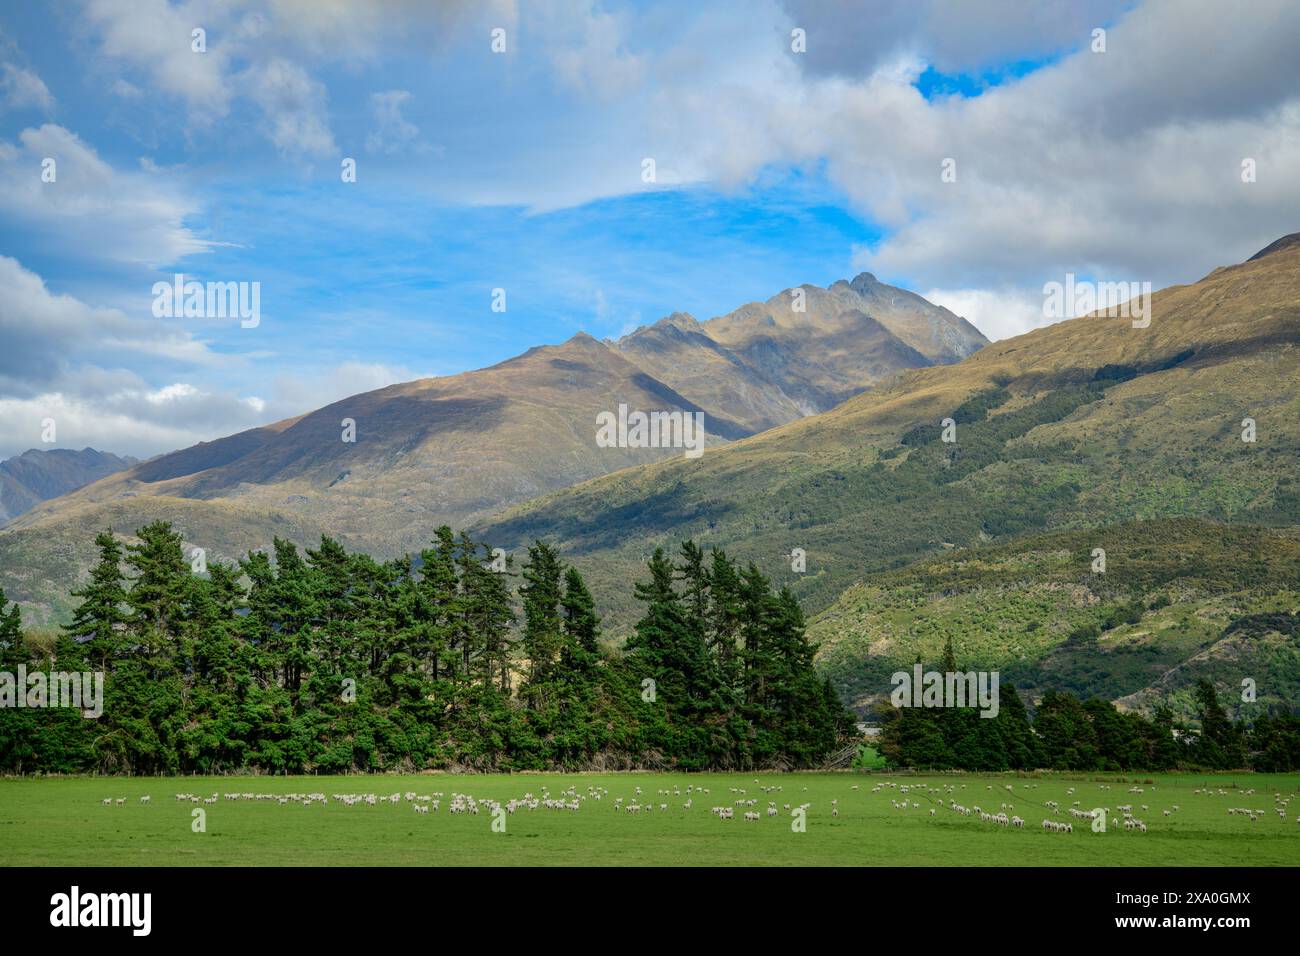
(332, 661)
(1177, 600)
(1085, 735)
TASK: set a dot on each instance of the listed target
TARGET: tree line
(1067, 733)
(328, 661)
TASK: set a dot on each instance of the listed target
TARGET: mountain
(35, 476)
(801, 352)
(458, 449)
(1081, 425)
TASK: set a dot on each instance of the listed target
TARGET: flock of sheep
(571, 800)
(1122, 811)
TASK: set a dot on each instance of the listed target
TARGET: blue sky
(523, 170)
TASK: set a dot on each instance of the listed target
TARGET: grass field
(64, 822)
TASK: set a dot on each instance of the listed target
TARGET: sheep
(145, 798)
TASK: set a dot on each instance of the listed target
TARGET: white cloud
(293, 105)
(124, 422)
(1123, 165)
(89, 369)
(846, 39)
(46, 335)
(295, 394)
(392, 133)
(63, 359)
(92, 208)
(599, 62)
(998, 313)
(21, 88)
(154, 38)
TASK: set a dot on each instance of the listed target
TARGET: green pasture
(62, 821)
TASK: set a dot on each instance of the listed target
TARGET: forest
(329, 661)
(1067, 733)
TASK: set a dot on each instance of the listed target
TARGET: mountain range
(908, 482)
(458, 449)
(38, 475)
(1091, 426)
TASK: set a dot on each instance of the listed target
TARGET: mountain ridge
(1082, 423)
(457, 449)
(39, 475)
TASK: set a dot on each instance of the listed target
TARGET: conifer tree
(581, 623)
(101, 617)
(12, 646)
(161, 585)
(543, 629)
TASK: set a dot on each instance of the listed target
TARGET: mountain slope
(1086, 422)
(1176, 599)
(35, 476)
(458, 449)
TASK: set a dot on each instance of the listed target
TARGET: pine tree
(160, 588)
(18, 727)
(581, 623)
(543, 629)
(725, 612)
(101, 617)
(440, 603)
(1219, 745)
(12, 646)
(488, 615)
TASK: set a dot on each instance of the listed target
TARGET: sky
(793, 141)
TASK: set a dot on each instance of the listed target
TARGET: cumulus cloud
(85, 368)
(45, 335)
(125, 216)
(66, 360)
(293, 106)
(126, 422)
(998, 313)
(592, 58)
(153, 37)
(1124, 164)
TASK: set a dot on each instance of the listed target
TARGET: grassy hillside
(1083, 423)
(1179, 599)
